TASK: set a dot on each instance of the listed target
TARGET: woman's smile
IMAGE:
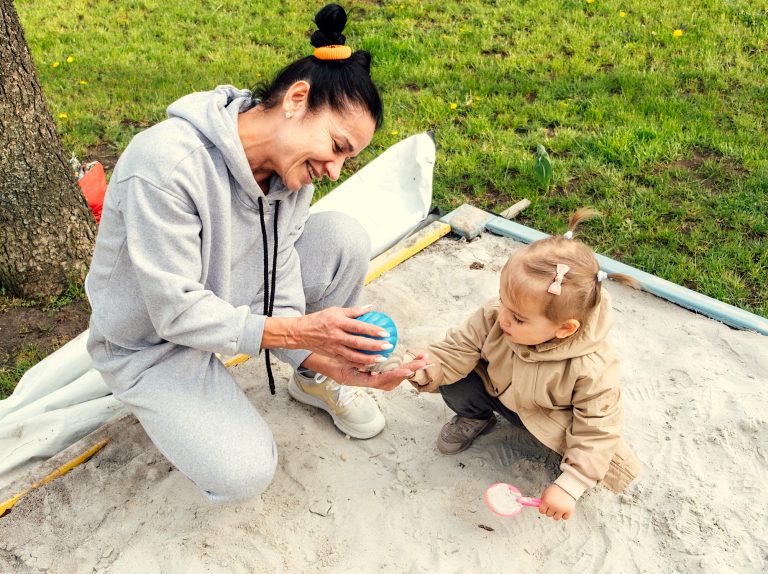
(312, 173)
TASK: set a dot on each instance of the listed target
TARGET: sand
(696, 414)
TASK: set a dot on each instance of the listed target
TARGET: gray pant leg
(197, 416)
(334, 251)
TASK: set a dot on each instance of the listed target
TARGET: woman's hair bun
(330, 21)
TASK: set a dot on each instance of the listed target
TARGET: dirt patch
(34, 332)
(496, 199)
(497, 52)
(103, 153)
(710, 168)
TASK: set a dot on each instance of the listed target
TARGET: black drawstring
(269, 293)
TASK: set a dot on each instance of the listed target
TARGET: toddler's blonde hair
(530, 271)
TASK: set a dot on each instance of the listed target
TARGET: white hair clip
(568, 234)
(601, 276)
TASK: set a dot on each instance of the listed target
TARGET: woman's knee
(243, 477)
(334, 251)
(344, 234)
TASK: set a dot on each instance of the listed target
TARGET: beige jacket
(566, 392)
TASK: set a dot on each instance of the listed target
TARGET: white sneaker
(353, 411)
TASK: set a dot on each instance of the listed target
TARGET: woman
(206, 246)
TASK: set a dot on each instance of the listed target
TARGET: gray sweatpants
(190, 405)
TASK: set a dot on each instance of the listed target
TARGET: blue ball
(385, 322)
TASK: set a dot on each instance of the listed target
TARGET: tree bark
(47, 230)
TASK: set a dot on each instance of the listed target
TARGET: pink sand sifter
(506, 500)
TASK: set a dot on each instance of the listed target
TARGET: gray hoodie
(179, 257)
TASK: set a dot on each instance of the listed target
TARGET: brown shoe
(460, 432)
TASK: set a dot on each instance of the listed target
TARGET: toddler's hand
(556, 503)
(420, 377)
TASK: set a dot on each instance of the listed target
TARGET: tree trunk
(47, 230)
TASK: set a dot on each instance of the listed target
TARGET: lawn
(653, 114)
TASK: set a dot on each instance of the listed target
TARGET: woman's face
(316, 144)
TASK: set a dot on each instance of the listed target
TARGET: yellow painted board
(388, 260)
(406, 248)
(236, 360)
(63, 469)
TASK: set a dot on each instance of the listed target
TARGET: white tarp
(56, 403)
(62, 399)
(391, 195)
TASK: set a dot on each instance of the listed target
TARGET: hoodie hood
(214, 115)
(588, 339)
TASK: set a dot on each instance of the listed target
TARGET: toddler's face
(524, 323)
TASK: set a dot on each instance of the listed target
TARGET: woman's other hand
(348, 374)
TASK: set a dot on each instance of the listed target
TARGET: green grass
(665, 135)
(10, 376)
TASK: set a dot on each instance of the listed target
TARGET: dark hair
(333, 83)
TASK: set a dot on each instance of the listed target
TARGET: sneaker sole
(487, 429)
(300, 396)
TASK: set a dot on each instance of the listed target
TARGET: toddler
(537, 355)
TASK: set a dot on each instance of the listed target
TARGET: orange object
(333, 52)
(94, 186)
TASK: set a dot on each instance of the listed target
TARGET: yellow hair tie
(333, 52)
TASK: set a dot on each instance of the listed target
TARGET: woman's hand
(335, 333)
(332, 332)
(556, 503)
(349, 375)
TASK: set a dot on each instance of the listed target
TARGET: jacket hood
(589, 338)
(214, 114)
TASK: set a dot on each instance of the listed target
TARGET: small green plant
(7, 383)
(543, 167)
(27, 358)
(9, 302)
(74, 292)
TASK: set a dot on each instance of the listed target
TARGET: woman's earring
(288, 115)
